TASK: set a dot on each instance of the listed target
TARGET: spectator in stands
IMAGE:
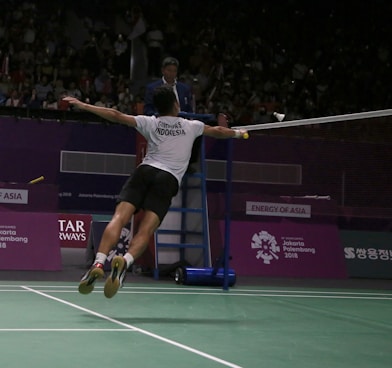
(51, 44)
(152, 185)
(18, 76)
(91, 54)
(85, 82)
(125, 101)
(58, 88)
(103, 101)
(121, 84)
(30, 32)
(197, 92)
(39, 59)
(43, 87)
(106, 46)
(26, 55)
(261, 116)
(64, 72)
(5, 85)
(14, 100)
(48, 68)
(138, 105)
(74, 91)
(103, 82)
(50, 102)
(31, 100)
(25, 91)
(121, 55)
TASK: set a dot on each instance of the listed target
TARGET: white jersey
(170, 140)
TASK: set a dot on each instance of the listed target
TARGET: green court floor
(148, 325)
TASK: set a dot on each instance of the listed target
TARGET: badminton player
(152, 185)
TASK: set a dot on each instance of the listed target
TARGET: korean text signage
(367, 253)
(287, 249)
(15, 196)
(278, 209)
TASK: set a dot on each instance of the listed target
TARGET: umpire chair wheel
(179, 275)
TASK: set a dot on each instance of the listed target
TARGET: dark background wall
(354, 174)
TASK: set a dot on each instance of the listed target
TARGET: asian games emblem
(266, 245)
(123, 243)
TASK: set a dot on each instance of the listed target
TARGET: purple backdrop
(286, 248)
(30, 148)
(276, 245)
(29, 241)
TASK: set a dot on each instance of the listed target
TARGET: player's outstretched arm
(221, 132)
(104, 112)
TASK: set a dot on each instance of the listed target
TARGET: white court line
(133, 328)
(206, 289)
(249, 293)
(266, 294)
(257, 290)
(66, 330)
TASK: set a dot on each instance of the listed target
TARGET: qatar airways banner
(74, 230)
(286, 248)
(29, 241)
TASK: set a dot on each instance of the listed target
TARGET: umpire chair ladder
(180, 236)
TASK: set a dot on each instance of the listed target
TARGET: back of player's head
(164, 99)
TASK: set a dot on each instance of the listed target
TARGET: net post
(226, 251)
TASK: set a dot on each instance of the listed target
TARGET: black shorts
(151, 189)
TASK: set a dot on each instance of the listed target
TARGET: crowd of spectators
(244, 58)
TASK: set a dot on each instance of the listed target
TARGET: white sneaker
(87, 282)
(116, 278)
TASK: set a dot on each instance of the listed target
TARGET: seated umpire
(183, 94)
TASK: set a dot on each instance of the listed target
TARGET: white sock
(100, 258)
(129, 258)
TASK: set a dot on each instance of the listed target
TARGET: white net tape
(322, 120)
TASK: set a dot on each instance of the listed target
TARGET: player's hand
(74, 101)
(241, 134)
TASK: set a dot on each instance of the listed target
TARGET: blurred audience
(300, 60)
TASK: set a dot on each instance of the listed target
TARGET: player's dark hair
(164, 99)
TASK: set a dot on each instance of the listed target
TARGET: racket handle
(37, 180)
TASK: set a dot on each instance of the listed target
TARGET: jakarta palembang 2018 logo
(266, 245)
